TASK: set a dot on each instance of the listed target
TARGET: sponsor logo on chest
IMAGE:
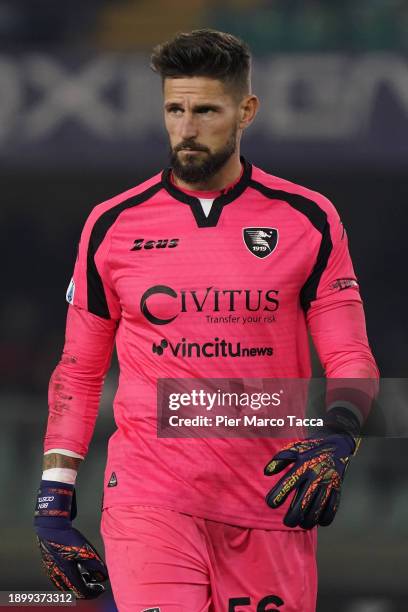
(147, 245)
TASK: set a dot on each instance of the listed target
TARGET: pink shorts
(164, 561)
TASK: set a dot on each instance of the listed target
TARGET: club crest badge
(260, 241)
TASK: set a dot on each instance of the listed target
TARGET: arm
(61, 465)
(75, 389)
(336, 322)
(76, 386)
(93, 314)
(74, 393)
(339, 335)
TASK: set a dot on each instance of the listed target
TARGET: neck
(228, 174)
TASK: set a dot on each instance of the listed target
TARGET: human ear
(247, 110)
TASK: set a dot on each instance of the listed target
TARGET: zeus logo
(208, 300)
(141, 243)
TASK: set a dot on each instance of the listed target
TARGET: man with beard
(159, 270)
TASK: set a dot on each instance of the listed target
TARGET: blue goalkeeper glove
(70, 561)
(319, 466)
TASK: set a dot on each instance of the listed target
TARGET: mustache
(188, 145)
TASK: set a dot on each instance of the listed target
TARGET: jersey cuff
(64, 451)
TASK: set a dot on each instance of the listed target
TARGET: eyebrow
(196, 107)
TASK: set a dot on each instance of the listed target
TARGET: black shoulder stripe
(309, 290)
(318, 218)
(97, 302)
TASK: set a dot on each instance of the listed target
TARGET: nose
(188, 128)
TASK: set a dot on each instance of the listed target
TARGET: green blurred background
(80, 121)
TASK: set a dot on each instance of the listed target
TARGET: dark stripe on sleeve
(318, 218)
(97, 302)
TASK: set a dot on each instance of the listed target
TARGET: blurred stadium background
(80, 120)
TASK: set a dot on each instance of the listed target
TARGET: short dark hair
(206, 53)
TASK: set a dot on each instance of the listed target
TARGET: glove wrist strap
(341, 420)
(55, 506)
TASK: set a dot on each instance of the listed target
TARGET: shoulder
(104, 216)
(131, 197)
(317, 207)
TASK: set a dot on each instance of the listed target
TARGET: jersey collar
(219, 202)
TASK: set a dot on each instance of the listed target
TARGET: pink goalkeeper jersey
(228, 294)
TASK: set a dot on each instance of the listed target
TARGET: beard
(194, 170)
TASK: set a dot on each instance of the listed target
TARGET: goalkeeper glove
(71, 562)
(316, 476)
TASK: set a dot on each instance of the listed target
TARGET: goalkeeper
(212, 268)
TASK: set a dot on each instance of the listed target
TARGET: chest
(256, 257)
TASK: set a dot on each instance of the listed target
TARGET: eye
(205, 110)
(175, 110)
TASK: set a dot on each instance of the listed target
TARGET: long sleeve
(339, 334)
(76, 384)
(93, 314)
(336, 321)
